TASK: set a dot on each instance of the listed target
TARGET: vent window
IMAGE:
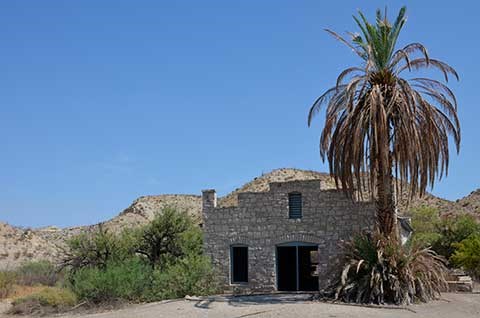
(295, 205)
(239, 263)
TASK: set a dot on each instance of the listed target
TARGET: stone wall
(261, 222)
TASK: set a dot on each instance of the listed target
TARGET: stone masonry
(261, 222)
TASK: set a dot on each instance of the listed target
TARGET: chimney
(209, 199)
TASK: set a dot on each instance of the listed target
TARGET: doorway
(297, 267)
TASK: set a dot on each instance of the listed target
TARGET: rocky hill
(18, 245)
(471, 201)
(144, 209)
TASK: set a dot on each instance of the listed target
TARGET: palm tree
(380, 125)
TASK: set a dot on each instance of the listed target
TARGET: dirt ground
(279, 306)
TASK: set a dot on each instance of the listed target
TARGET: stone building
(285, 239)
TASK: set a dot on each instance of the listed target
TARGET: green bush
(379, 270)
(467, 255)
(192, 241)
(191, 275)
(48, 300)
(127, 280)
(94, 249)
(425, 222)
(7, 281)
(37, 273)
(441, 233)
(454, 230)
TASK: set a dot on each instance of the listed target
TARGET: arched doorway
(297, 266)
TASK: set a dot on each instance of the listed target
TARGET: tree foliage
(467, 254)
(446, 235)
(165, 237)
(426, 222)
(453, 230)
(96, 249)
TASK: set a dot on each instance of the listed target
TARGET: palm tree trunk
(385, 198)
(385, 201)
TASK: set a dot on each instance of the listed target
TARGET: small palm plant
(379, 123)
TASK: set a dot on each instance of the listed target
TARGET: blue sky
(104, 101)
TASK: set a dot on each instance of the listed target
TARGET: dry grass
(20, 291)
(48, 300)
(15, 291)
(7, 281)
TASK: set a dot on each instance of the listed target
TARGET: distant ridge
(18, 245)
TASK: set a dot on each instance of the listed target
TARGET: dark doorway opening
(308, 267)
(297, 267)
(287, 268)
(239, 263)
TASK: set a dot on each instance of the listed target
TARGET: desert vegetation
(7, 282)
(161, 260)
(455, 238)
(46, 300)
(380, 270)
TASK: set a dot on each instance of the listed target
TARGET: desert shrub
(191, 275)
(48, 300)
(380, 270)
(37, 273)
(166, 237)
(126, 280)
(98, 248)
(160, 260)
(441, 233)
(454, 230)
(7, 282)
(467, 255)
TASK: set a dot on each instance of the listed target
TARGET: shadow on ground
(252, 300)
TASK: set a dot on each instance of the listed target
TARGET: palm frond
(341, 39)
(424, 63)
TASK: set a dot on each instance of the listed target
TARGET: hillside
(471, 202)
(144, 209)
(18, 245)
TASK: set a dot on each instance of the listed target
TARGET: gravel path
(451, 306)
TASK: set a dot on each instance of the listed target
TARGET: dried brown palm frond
(379, 123)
